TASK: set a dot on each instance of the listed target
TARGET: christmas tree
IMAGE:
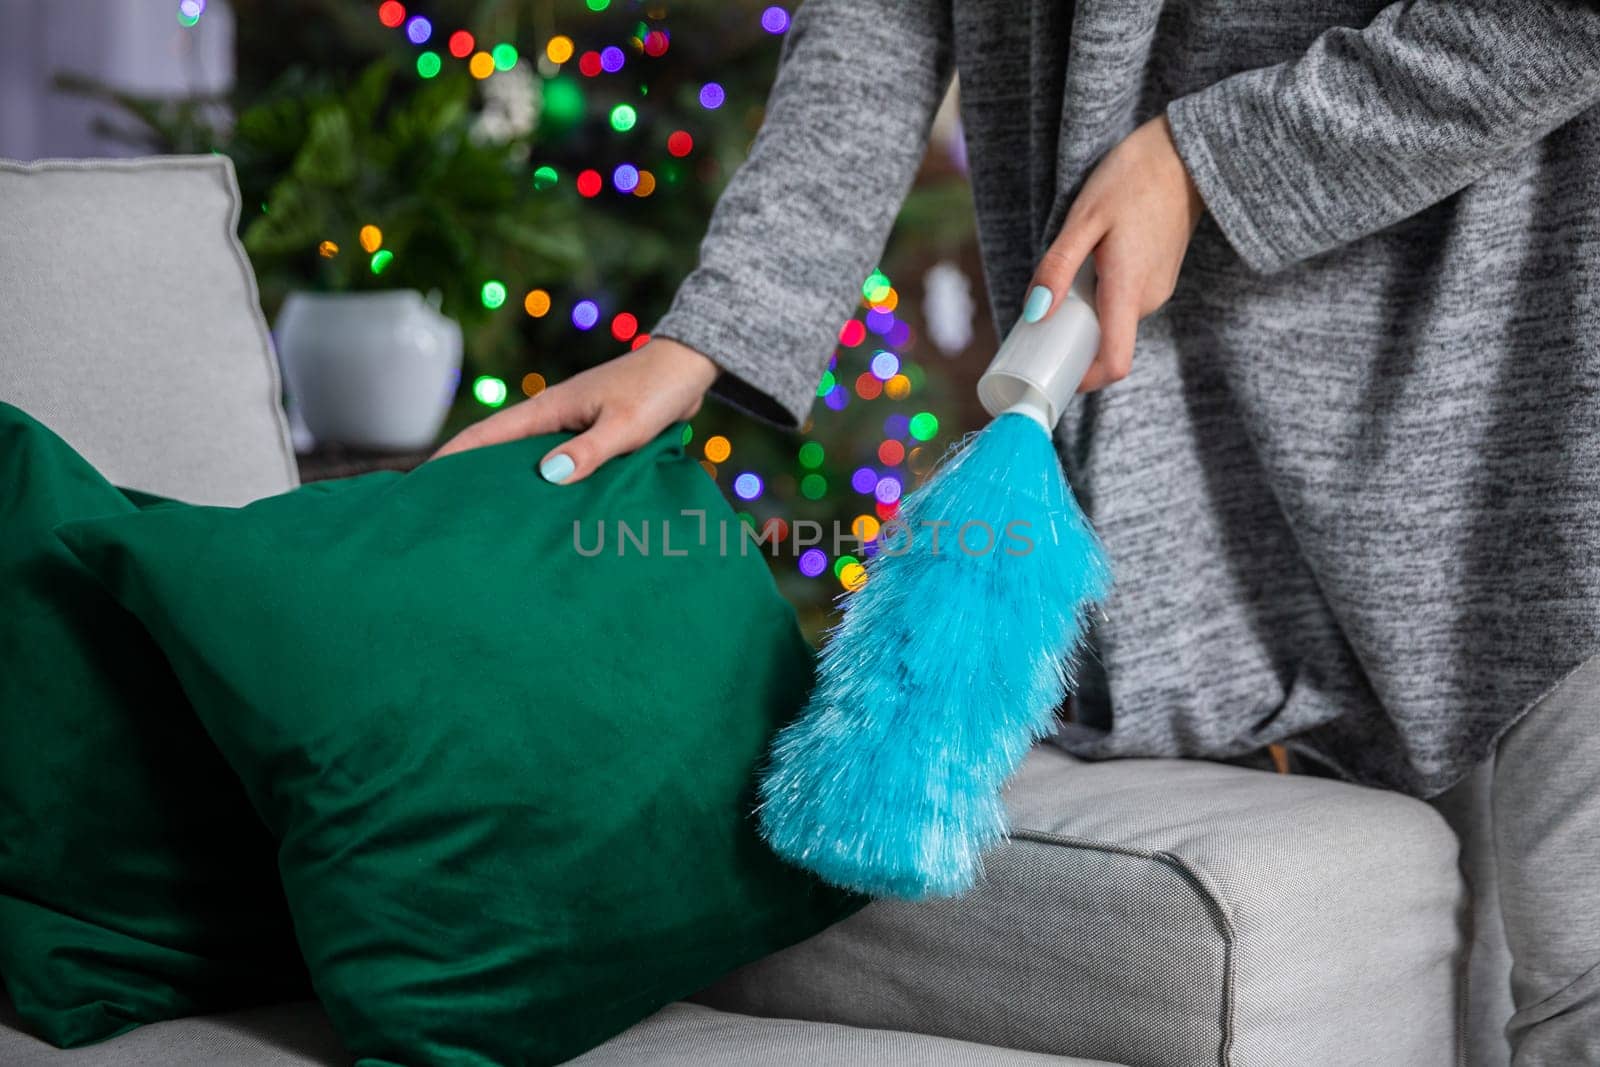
(547, 170)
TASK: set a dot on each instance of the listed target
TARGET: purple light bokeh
(864, 480)
(611, 58)
(888, 489)
(585, 313)
(897, 426)
(775, 20)
(712, 96)
(418, 30)
(957, 149)
(747, 486)
(813, 562)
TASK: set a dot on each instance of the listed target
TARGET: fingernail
(556, 469)
(1038, 303)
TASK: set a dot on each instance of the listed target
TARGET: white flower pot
(369, 370)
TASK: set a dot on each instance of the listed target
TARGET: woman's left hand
(1136, 214)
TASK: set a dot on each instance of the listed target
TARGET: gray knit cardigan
(1352, 485)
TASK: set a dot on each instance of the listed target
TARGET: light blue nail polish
(1038, 303)
(556, 469)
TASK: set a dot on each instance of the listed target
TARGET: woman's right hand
(616, 407)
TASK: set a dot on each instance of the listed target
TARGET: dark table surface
(332, 461)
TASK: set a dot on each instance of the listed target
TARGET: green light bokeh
(490, 391)
(563, 99)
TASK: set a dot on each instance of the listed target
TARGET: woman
(1352, 482)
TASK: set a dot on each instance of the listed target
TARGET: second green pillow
(511, 774)
(136, 883)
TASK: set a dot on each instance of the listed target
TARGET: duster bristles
(945, 669)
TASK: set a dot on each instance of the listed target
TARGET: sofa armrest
(1163, 913)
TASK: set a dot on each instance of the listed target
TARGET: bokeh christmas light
(593, 80)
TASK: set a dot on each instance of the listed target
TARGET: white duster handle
(1040, 364)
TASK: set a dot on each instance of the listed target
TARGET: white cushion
(129, 324)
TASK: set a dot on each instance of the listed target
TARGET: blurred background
(539, 173)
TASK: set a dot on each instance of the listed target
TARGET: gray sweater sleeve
(1370, 126)
(804, 218)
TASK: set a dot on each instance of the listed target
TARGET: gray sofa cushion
(285, 1035)
(680, 1035)
(129, 324)
(688, 1035)
(1165, 914)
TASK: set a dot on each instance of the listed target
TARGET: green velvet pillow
(508, 746)
(136, 883)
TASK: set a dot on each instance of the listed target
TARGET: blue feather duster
(950, 662)
(947, 666)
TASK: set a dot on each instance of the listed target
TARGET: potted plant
(383, 217)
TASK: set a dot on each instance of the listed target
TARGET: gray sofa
(1144, 913)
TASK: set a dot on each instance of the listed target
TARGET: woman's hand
(1135, 214)
(618, 405)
